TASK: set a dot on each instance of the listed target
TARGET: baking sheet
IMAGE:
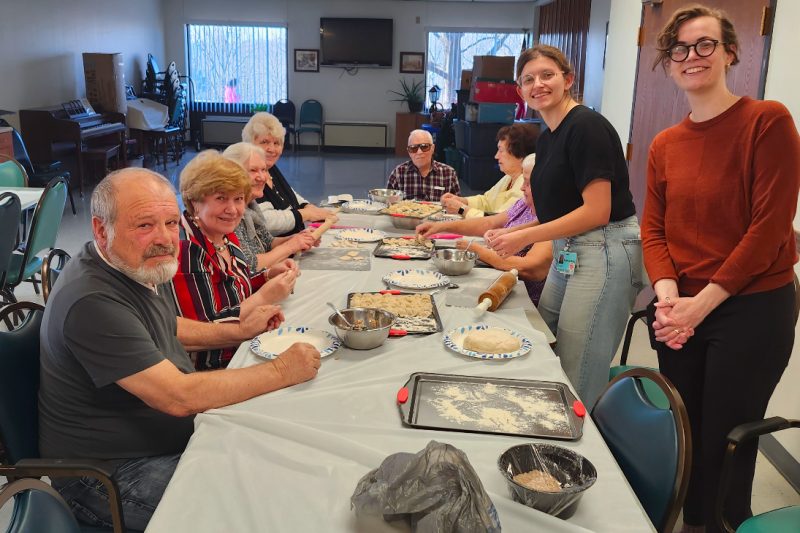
(528, 408)
(410, 247)
(331, 259)
(413, 325)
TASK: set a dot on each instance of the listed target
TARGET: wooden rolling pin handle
(500, 289)
(317, 233)
(483, 306)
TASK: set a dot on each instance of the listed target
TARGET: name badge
(438, 188)
(566, 262)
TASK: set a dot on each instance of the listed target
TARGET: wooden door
(659, 104)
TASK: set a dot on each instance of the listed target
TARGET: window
(451, 52)
(237, 64)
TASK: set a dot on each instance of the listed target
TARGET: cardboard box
(466, 79)
(491, 113)
(105, 82)
(497, 91)
(494, 67)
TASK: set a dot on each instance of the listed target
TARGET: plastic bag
(435, 490)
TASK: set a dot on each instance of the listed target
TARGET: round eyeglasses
(703, 48)
(528, 80)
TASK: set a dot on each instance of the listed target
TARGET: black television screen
(356, 41)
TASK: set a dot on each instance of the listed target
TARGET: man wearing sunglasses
(422, 178)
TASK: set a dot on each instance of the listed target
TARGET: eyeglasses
(703, 48)
(529, 79)
(414, 148)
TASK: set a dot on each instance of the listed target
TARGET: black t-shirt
(281, 196)
(100, 326)
(584, 147)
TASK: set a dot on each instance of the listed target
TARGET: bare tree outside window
(233, 64)
(451, 52)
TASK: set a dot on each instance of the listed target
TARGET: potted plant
(412, 94)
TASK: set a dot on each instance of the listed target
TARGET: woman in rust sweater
(722, 190)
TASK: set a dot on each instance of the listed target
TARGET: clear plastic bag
(435, 490)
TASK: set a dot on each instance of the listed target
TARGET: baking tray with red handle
(411, 325)
(480, 404)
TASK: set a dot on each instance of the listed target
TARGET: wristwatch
(461, 210)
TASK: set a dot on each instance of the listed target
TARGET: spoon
(349, 325)
(469, 244)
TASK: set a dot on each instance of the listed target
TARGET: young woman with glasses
(722, 189)
(583, 203)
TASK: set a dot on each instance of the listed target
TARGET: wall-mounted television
(357, 42)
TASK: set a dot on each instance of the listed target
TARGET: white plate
(454, 340)
(415, 278)
(365, 206)
(271, 343)
(360, 234)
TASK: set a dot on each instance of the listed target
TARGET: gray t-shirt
(100, 326)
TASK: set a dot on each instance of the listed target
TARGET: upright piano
(49, 131)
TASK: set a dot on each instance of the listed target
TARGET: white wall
(42, 42)
(363, 97)
(595, 46)
(783, 80)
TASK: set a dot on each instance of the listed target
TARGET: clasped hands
(676, 320)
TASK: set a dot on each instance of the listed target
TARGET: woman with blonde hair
(583, 204)
(213, 282)
(284, 209)
(722, 189)
(261, 249)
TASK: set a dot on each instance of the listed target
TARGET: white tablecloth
(28, 196)
(290, 460)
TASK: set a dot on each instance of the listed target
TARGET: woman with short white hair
(284, 209)
(261, 249)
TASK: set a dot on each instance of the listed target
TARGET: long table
(290, 460)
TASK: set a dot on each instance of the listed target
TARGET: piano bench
(96, 159)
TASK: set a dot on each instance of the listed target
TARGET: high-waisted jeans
(588, 310)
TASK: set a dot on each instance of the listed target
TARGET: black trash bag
(435, 490)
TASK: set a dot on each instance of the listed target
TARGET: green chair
(10, 212)
(12, 173)
(652, 390)
(25, 263)
(36, 509)
(775, 521)
(310, 122)
(652, 446)
(52, 266)
(51, 512)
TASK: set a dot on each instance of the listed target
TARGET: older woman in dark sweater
(285, 210)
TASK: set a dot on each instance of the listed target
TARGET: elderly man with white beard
(116, 381)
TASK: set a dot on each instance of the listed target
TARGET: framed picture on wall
(412, 62)
(306, 60)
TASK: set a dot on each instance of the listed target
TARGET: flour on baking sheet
(499, 408)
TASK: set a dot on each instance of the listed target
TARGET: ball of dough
(491, 340)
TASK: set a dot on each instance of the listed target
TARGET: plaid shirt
(208, 289)
(441, 179)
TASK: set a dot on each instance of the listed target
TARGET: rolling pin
(317, 233)
(498, 291)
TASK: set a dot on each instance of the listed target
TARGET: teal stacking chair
(310, 122)
(653, 391)
(36, 509)
(775, 521)
(651, 445)
(26, 263)
(12, 173)
(52, 266)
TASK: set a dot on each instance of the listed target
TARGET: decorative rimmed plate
(363, 206)
(415, 278)
(360, 234)
(272, 343)
(454, 340)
